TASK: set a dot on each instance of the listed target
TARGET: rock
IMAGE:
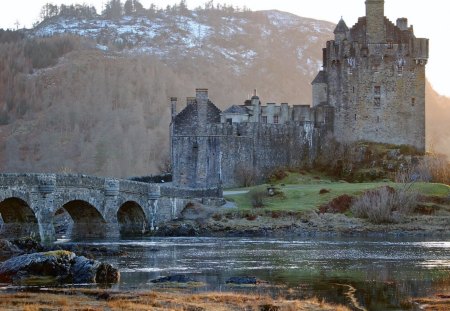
(177, 278)
(243, 280)
(56, 267)
(28, 245)
(8, 248)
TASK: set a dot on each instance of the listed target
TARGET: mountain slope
(100, 105)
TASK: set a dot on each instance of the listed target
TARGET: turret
(341, 31)
(256, 107)
(376, 32)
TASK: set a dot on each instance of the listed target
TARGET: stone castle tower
(374, 77)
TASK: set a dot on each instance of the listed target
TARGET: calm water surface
(385, 273)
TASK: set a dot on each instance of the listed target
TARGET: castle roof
(393, 33)
(237, 110)
(189, 118)
(320, 78)
(341, 27)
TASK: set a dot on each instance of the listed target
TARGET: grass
(301, 192)
(85, 299)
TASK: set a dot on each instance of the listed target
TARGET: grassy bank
(307, 192)
(92, 300)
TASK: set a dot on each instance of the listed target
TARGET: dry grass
(86, 299)
(438, 303)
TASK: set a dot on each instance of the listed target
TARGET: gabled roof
(320, 78)
(188, 117)
(237, 110)
(341, 27)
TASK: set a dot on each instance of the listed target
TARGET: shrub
(246, 176)
(340, 204)
(277, 175)
(251, 217)
(257, 198)
(324, 191)
(378, 206)
(217, 217)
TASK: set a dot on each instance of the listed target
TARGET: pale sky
(429, 18)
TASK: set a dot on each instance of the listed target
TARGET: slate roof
(320, 78)
(237, 110)
(341, 27)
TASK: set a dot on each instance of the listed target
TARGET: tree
(49, 10)
(113, 9)
(128, 7)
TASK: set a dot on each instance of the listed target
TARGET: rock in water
(245, 280)
(56, 267)
(177, 278)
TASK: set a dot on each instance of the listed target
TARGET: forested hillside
(88, 93)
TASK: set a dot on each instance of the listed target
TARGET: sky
(428, 18)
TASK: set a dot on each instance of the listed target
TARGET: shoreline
(317, 225)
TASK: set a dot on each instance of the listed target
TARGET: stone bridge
(99, 207)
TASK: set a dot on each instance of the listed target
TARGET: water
(384, 273)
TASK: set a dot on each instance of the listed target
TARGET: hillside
(99, 103)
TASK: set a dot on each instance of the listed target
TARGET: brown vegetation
(385, 204)
(340, 204)
(72, 299)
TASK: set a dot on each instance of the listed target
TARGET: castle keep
(373, 77)
(371, 88)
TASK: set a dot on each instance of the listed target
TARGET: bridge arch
(132, 219)
(88, 222)
(18, 218)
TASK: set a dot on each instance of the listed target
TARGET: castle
(371, 88)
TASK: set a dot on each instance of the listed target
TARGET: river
(376, 273)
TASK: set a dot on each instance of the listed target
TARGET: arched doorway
(131, 219)
(18, 219)
(87, 222)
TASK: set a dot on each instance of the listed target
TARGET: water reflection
(384, 273)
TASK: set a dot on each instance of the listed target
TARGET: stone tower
(374, 78)
(195, 153)
(375, 21)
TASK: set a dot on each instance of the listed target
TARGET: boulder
(242, 280)
(56, 267)
(178, 278)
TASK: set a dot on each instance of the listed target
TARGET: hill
(90, 94)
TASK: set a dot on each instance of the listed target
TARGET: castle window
(353, 89)
(413, 101)
(355, 116)
(264, 119)
(275, 119)
(377, 101)
(378, 119)
(377, 90)
(390, 45)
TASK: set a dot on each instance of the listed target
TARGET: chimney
(201, 96)
(190, 100)
(173, 102)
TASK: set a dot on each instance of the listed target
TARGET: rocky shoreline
(300, 225)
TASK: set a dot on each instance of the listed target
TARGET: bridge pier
(43, 205)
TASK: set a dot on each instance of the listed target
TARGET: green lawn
(301, 192)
